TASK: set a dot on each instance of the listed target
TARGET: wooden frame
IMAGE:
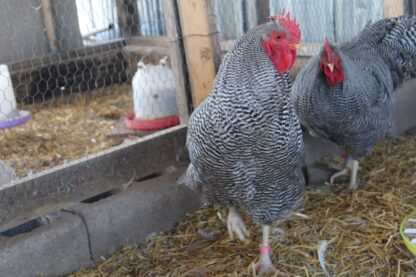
(177, 57)
(201, 45)
(49, 23)
(65, 185)
(393, 8)
(91, 67)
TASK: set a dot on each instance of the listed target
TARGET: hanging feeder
(10, 116)
(154, 95)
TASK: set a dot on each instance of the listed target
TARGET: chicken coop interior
(96, 98)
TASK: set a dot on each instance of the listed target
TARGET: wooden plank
(73, 75)
(48, 21)
(65, 55)
(393, 8)
(62, 186)
(128, 17)
(177, 60)
(201, 45)
(148, 41)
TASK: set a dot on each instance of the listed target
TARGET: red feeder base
(150, 124)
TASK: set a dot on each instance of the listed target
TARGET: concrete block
(318, 174)
(316, 148)
(411, 131)
(129, 217)
(403, 110)
(49, 250)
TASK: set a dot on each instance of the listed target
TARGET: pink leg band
(265, 248)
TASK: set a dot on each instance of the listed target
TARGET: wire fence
(337, 20)
(77, 77)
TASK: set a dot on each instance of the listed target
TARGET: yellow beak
(331, 67)
(299, 47)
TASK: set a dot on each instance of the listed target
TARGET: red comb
(327, 43)
(291, 24)
(328, 48)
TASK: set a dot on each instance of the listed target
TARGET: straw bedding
(65, 129)
(357, 234)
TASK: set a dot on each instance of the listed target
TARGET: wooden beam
(177, 59)
(49, 22)
(89, 67)
(62, 186)
(128, 17)
(201, 45)
(66, 55)
(393, 8)
(148, 41)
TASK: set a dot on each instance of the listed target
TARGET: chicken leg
(351, 169)
(236, 225)
(264, 265)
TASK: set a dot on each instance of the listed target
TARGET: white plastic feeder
(9, 115)
(154, 96)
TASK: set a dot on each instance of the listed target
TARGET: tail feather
(401, 44)
(395, 40)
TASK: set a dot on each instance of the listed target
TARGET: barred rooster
(343, 94)
(245, 141)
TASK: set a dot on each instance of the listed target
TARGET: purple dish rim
(24, 116)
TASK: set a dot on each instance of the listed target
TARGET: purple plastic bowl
(22, 118)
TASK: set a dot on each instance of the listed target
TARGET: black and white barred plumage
(245, 141)
(355, 113)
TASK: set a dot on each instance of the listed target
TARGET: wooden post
(128, 17)
(393, 8)
(201, 42)
(48, 21)
(177, 59)
(258, 11)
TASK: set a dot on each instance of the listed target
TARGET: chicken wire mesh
(72, 73)
(337, 20)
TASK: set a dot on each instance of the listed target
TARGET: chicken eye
(278, 36)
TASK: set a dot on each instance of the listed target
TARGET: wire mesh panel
(337, 20)
(77, 77)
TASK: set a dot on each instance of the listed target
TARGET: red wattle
(283, 60)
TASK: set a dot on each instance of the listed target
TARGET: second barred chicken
(344, 93)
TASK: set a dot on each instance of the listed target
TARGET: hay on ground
(360, 228)
(65, 130)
